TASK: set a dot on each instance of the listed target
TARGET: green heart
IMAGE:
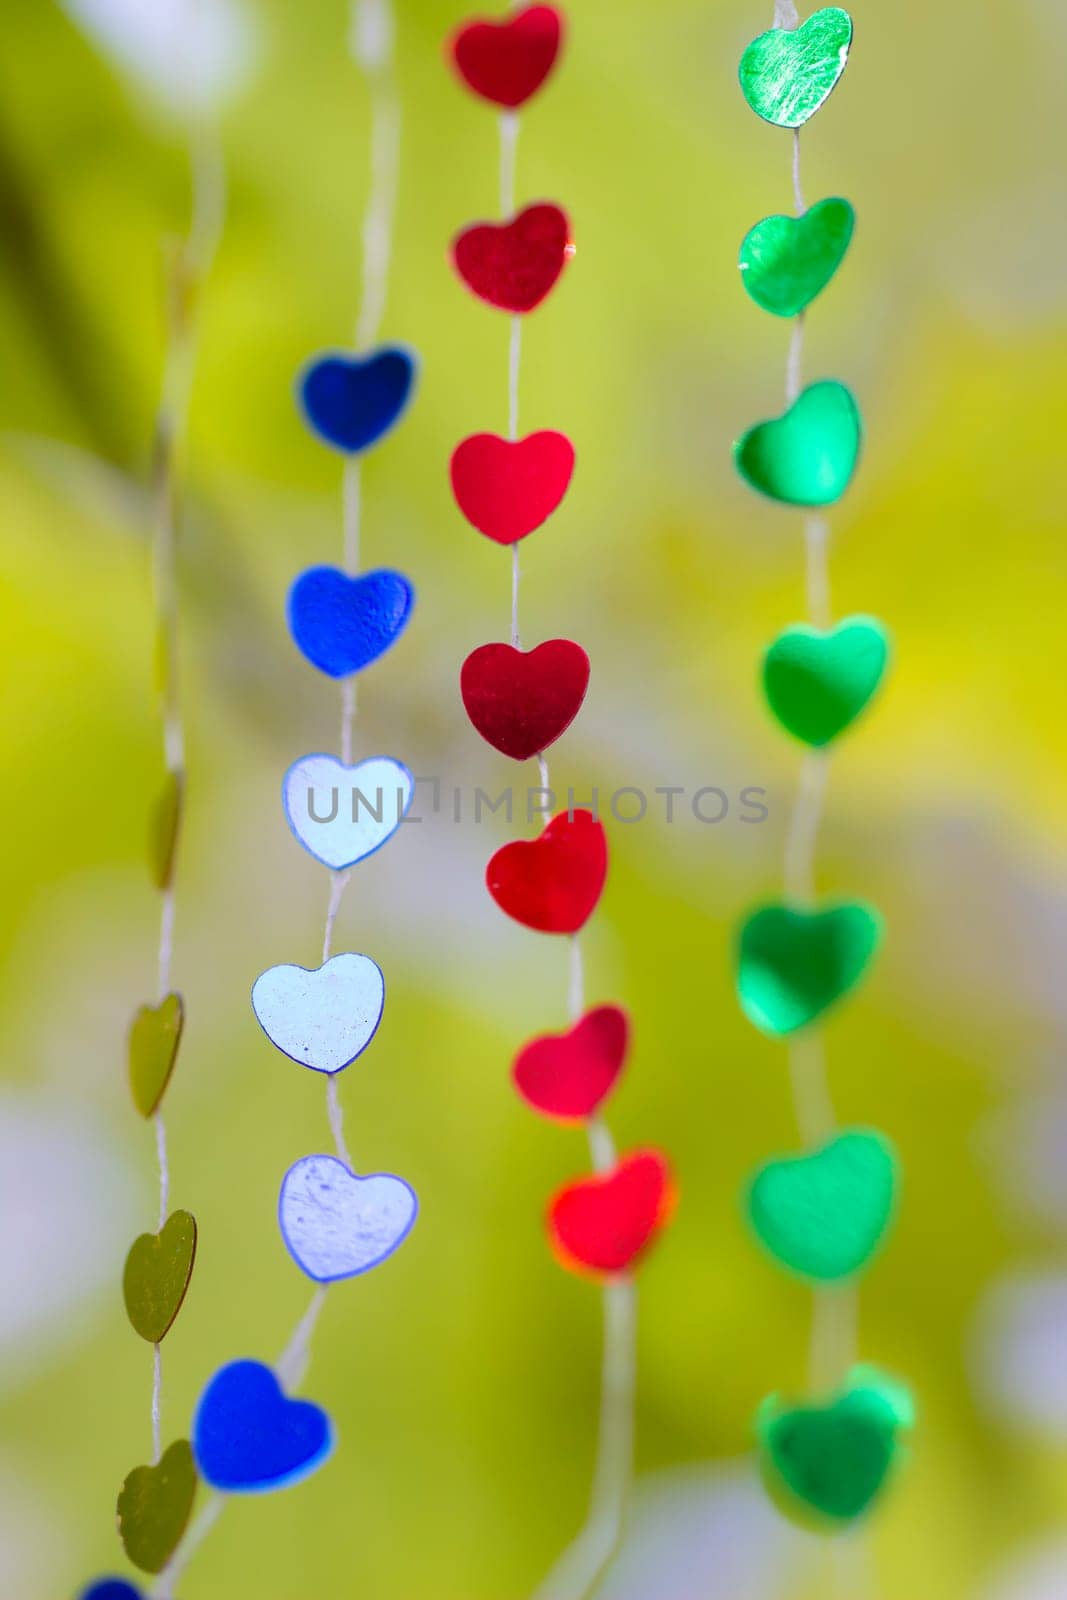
(786, 74)
(818, 681)
(163, 833)
(155, 1034)
(824, 1214)
(157, 1273)
(786, 261)
(807, 456)
(792, 965)
(154, 1506)
(826, 1464)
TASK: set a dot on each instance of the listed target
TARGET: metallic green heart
(825, 1465)
(157, 1273)
(807, 456)
(817, 681)
(792, 965)
(155, 1035)
(154, 1507)
(823, 1215)
(786, 261)
(787, 73)
(164, 830)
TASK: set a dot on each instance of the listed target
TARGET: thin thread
(514, 364)
(804, 827)
(381, 199)
(166, 941)
(291, 1366)
(509, 143)
(811, 1090)
(817, 547)
(785, 14)
(350, 495)
(338, 885)
(348, 717)
(793, 378)
(542, 772)
(576, 986)
(515, 596)
(210, 1513)
(336, 1116)
(164, 1168)
(157, 1404)
(798, 193)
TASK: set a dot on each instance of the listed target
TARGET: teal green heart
(824, 1214)
(818, 681)
(807, 456)
(787, 73)
(786, 261)
(793, 965)
(825, 1465)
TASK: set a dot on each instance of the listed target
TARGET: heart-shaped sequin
(322, 1017)
(787, 73)
(352, 401)
(818, 681)
(520, 701)
(552, 883)
(156, 1276)
(343, 814)
(249, 1437)
(338, 1225)
(513, 265)
(155, 1035)
(508, 487)
(605, 1223)
(165, 829)
(342, 624)
(825, 1465)
(154, 1507)
(807, 456)
(786, 261)
(569, 1075)
(824, 1214)
(793, 965)
(506, 62)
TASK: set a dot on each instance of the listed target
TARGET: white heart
(323, 1017)
(343, 814)
(337, 1225)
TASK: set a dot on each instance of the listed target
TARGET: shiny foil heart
(352, 401)
(154, 1507)
(826, 1465)
(157, 1274)
(506, 62)
(817, 682)
(824, 1214)
(793, 965)
(342, 624)
(155, 1035)
(343, 814)
(605, 1223)
(520, 701)
(786, 261)
(337, 1225)
(568, 1076)
(249, 1437)
(513, 265)
(787, 73)
(322, 1017)
(508, 487)
(552, 883)
(807, 456)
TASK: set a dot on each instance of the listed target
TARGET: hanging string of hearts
(822, 1214)
(521, 702)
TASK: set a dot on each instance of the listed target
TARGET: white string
(157, 1404)
(164, 1168)
(576, 988)
(514, 361)
(509, 144)
(338, 885)
(336, 1116)
(515, 596)
(166, 941)
(291, 1366)
(785, 14)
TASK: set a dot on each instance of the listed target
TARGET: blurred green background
(463, 1377)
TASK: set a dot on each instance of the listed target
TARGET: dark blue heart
(111, 1589)
(342, 624)
(248, 1436)
(352, 401)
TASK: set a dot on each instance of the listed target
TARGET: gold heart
(155, 1034)
(154, 1507)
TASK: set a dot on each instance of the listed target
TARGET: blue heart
(352, 401)
(111, 1589)
(343, 624)
(248, 1436)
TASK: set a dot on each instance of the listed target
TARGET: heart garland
(825, 1212)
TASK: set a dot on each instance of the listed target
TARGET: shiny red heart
(508, 61)
(514, 264)
(604, 1223)
(552, 883)
(507, 487)
(520, 701)
(568, 1075)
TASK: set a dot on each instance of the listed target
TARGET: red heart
(520, 701)
(514, 264)
(568, 1075)
(552, 883)
(604, 1223)
(507, 487)
(508, 61)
